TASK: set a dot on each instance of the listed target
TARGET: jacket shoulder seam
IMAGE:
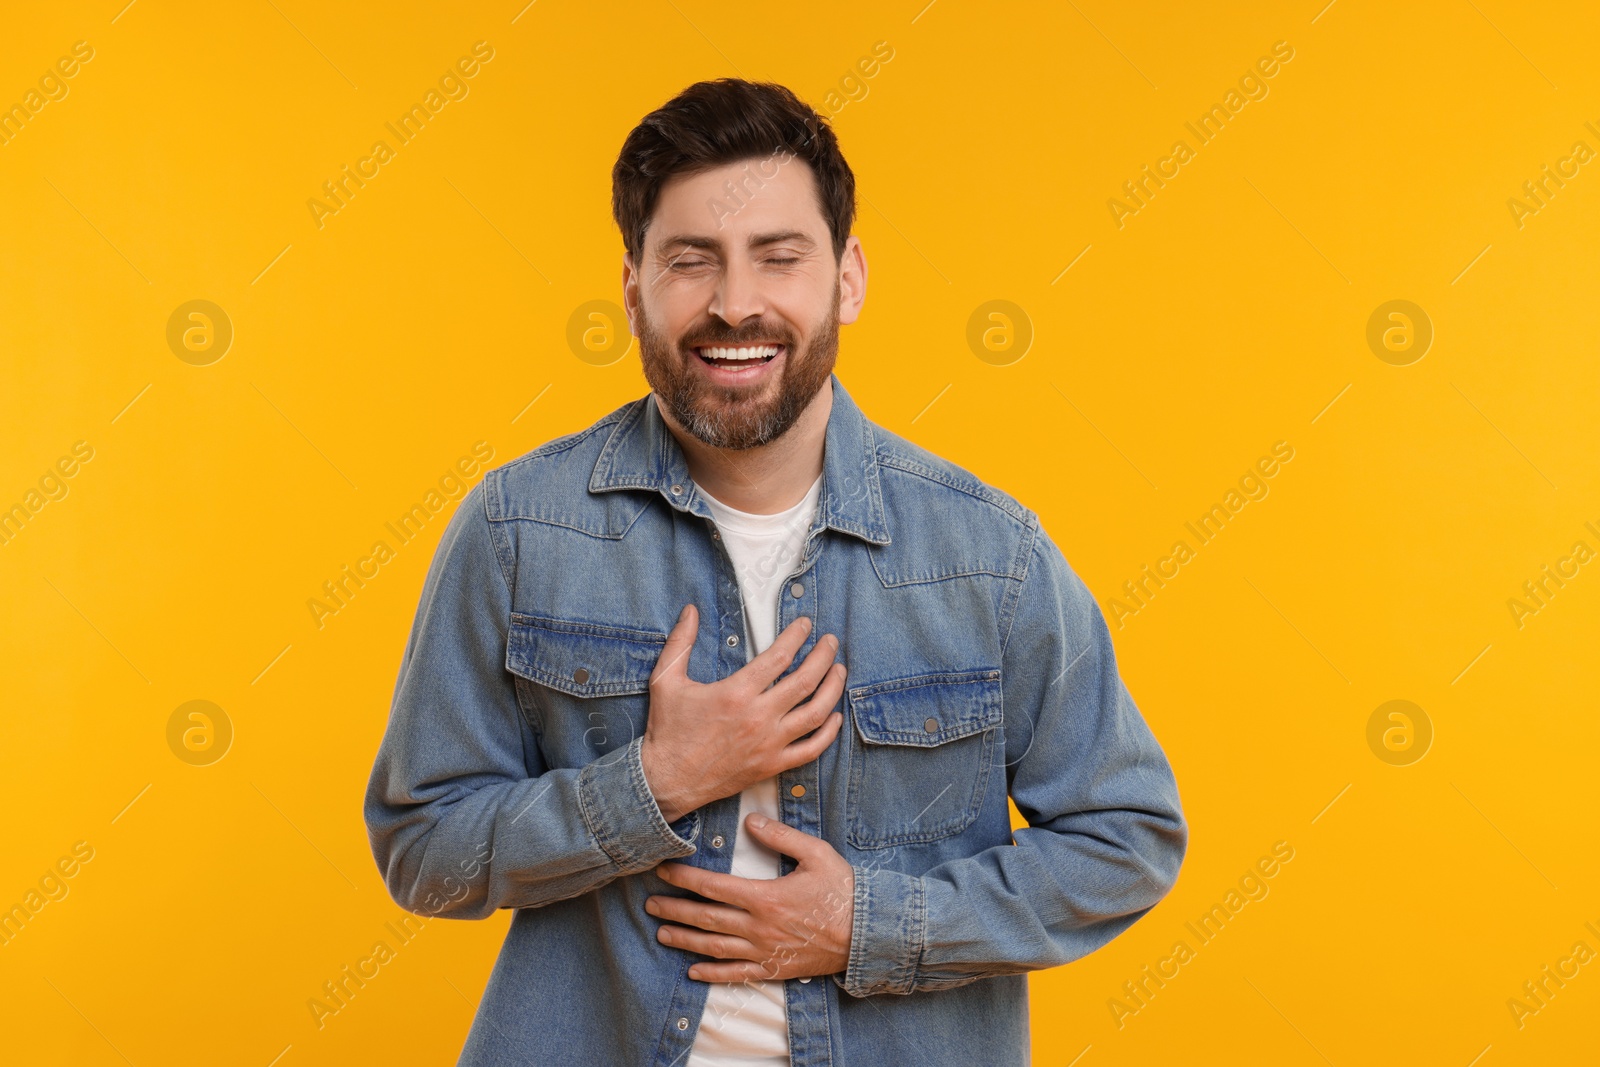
(504, 555)
(967, 483)
(553, 447)
(1014, 591)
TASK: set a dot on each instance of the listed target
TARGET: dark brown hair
(712, 123)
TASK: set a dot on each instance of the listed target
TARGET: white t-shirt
(746, 1024)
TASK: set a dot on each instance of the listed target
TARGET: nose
(738, 294)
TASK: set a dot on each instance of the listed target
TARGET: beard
(738, 417)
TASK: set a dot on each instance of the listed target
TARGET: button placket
(798, 787)
(724, 812)
(729, 584)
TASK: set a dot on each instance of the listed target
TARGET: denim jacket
(509, 775)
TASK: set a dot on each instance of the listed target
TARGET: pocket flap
(581, 658)
(929, 709)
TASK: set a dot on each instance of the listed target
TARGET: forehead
(767, 195)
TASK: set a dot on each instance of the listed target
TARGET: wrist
(658, 776)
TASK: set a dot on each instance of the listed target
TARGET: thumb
(674, 659)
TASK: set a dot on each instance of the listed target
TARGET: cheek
(672, 315)
(801, 318)
(678, 312)
(804, 297)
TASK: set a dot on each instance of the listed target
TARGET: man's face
(752, 270)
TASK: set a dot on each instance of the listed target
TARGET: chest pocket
(585, 686)
(922, 762)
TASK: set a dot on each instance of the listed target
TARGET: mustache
(738, 338)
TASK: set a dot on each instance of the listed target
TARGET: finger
(741, 971)
(781, 837)
(808, 749)
(764, 668)
(719, 946)
(674, 659)
(713, 918)
(803, 718)
(796, 686)
(727, 888)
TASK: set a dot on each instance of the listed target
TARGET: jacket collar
(641, 453)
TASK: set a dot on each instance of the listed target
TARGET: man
(624, 708)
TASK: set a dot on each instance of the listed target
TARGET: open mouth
(736, 358)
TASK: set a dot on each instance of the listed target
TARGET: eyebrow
(758, 240)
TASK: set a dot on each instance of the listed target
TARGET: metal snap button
(733, 640)
(797, 590)
(677, 490)
(931, 725)
(580, 675)
(804, 980)
(797, 791)
(716, 842)
(683, 1022)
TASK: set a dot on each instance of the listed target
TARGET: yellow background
(432, 311)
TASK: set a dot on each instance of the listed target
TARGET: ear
(630, 290)
(852, 280)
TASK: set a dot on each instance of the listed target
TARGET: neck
(766, 479)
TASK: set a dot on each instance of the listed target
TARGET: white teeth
(740, 353)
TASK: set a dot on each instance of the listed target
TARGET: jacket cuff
(890, 925)
(622, 813)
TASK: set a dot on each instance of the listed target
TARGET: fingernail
(758, 821)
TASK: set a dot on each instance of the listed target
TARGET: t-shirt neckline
(749, 522)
